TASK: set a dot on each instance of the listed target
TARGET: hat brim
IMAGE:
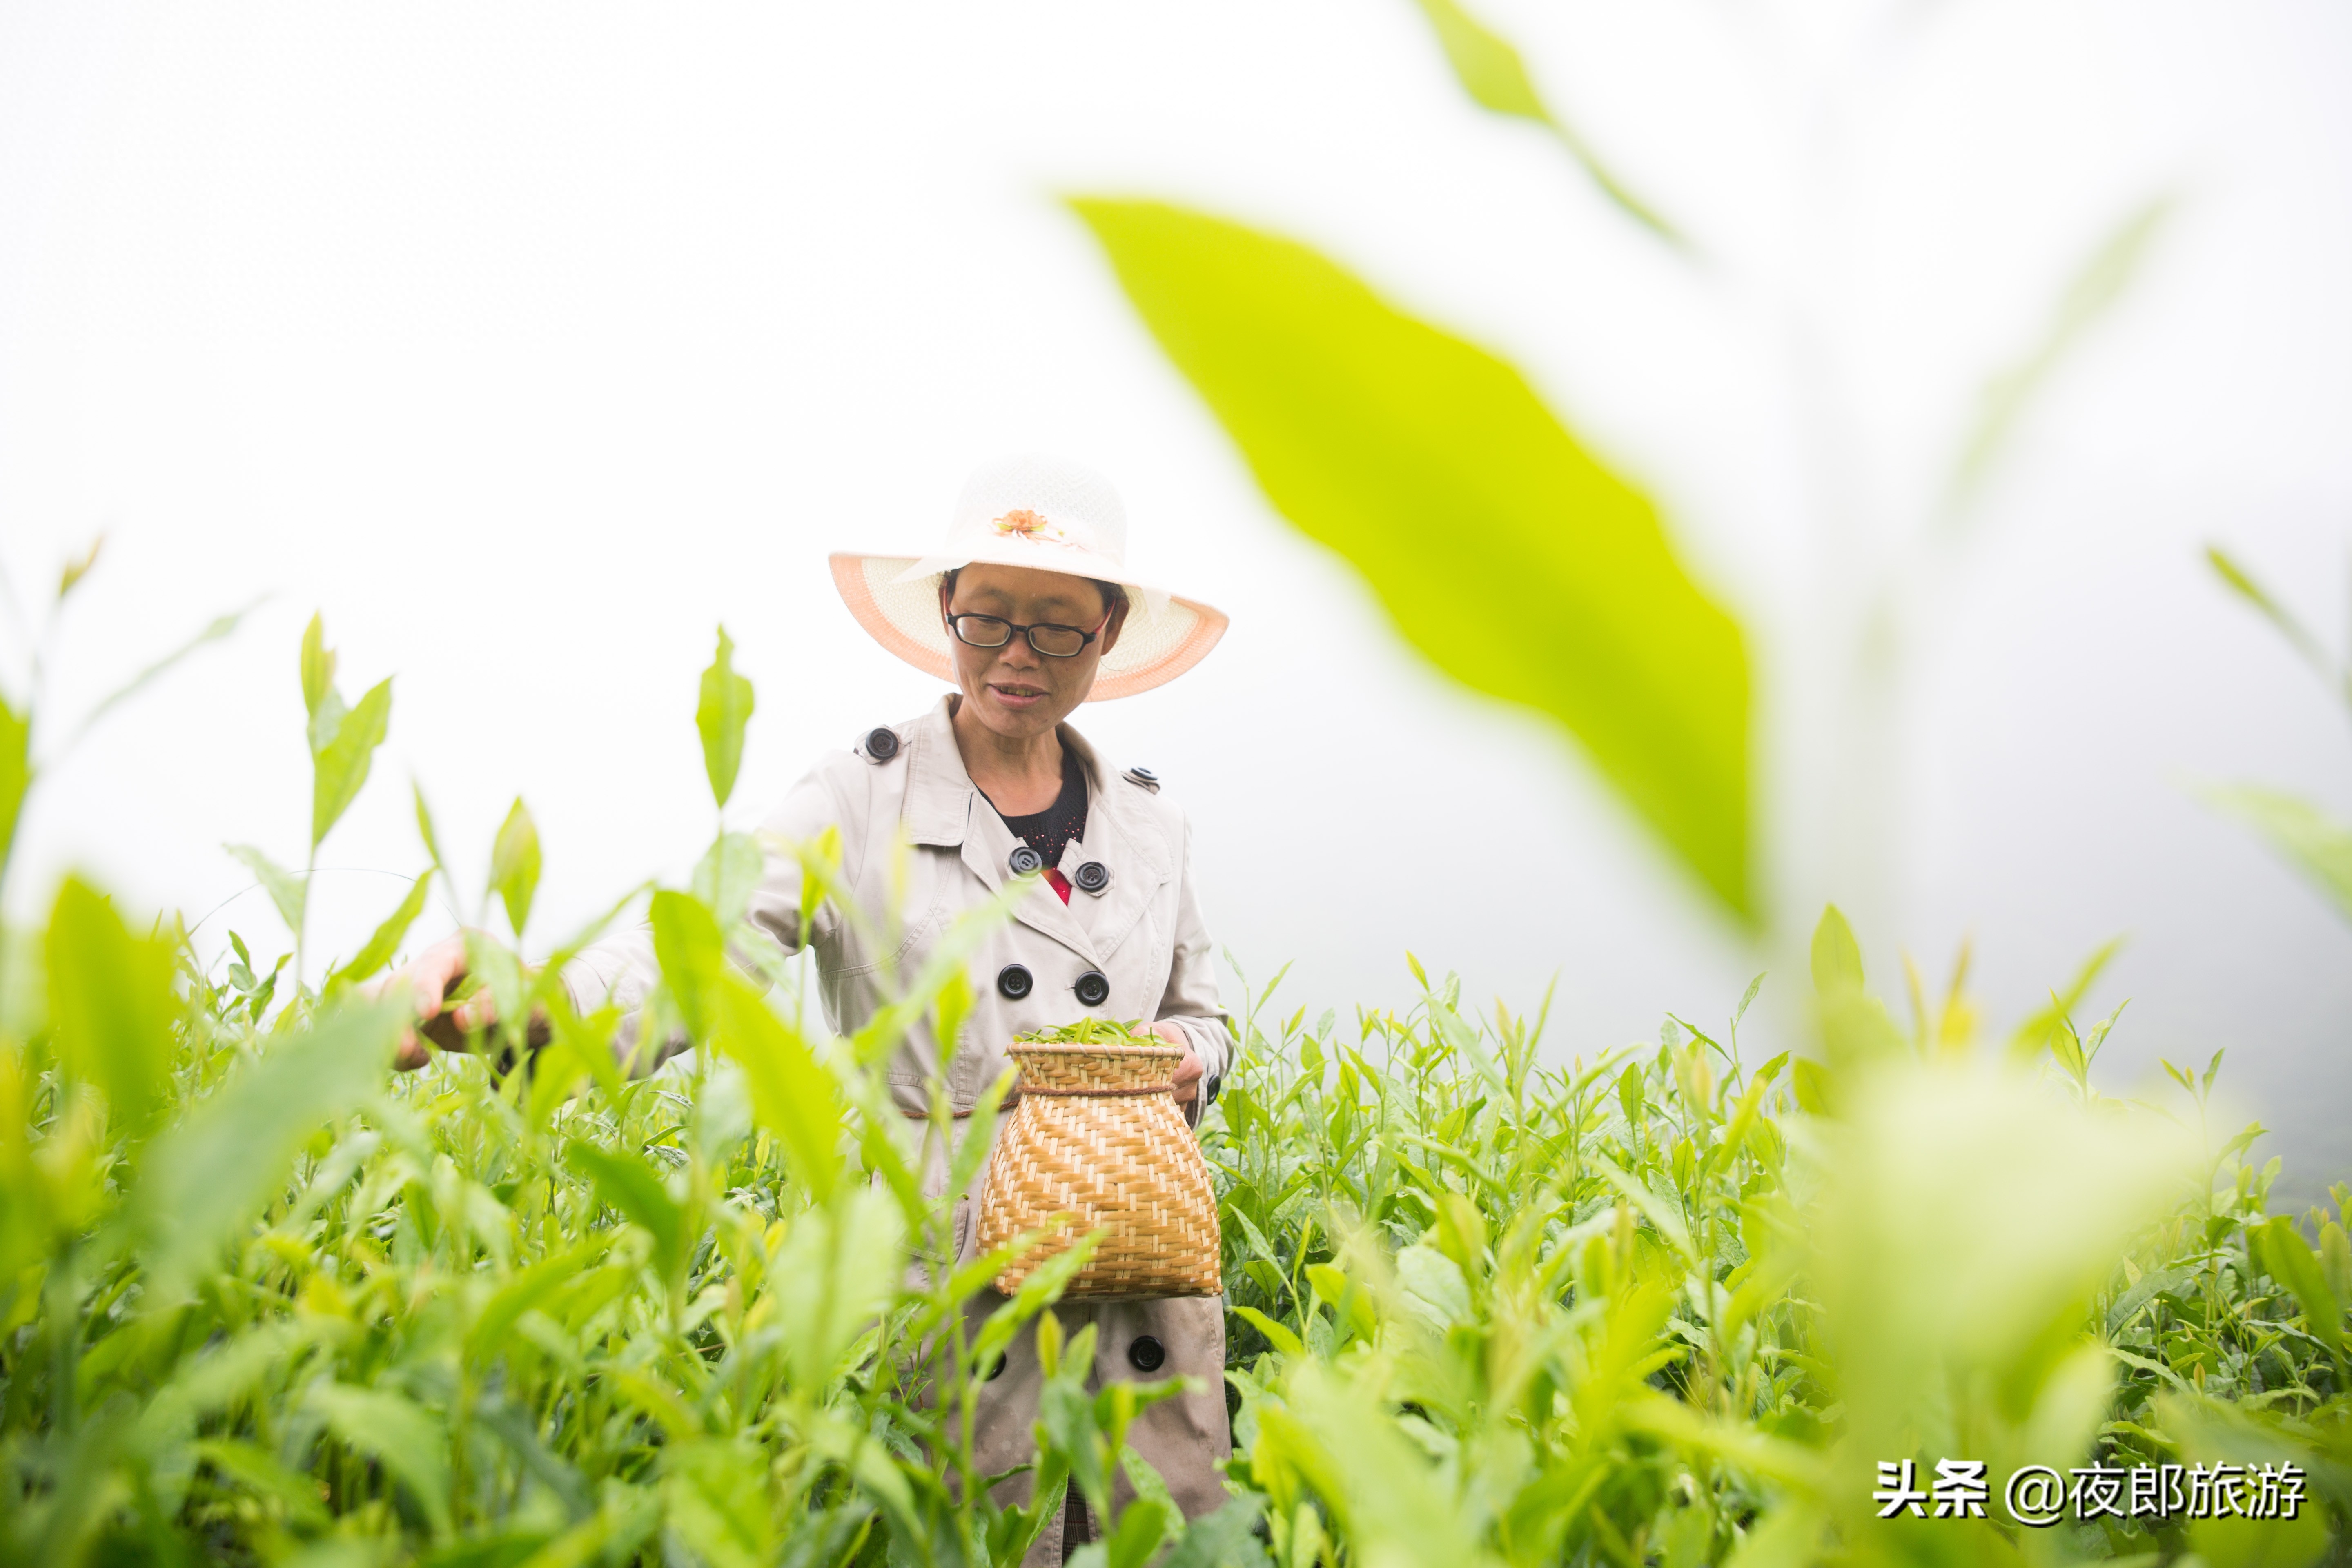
(897, 599)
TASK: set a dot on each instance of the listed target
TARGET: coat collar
(945, 810)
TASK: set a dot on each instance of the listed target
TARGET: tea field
(264, 1299)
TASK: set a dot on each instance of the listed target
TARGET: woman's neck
(1019, 776)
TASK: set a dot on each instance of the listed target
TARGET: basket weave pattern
(1097, 1136)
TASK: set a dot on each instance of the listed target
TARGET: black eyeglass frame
(1084, 636)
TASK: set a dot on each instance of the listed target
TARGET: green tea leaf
(15, 773)
(317, 663)
(2241, 583)
(390, 1429)
(380, 947)
(285, 889)
(342, 768)
(1505, 552)
(112, 1003)
(424, 828)
(79, 567)
(2301, 834)
(692, 955)
(1837, 957)
(514, 865)
(207, 1177)
(720, 716)
(728, 875)
(2291, 1264)
(792, 1093)
(1490, 72)
(628, 1185)
(2095, 290)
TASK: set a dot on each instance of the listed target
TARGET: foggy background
(531, 342)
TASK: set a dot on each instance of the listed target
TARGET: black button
(1147, 1354)
(1145, 775)
(882, 745)
(1092, 878)
(997, 1371)
(1093, 989)
(1012, 982)
(1027, 862)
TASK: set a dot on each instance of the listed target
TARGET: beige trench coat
(1141, 930)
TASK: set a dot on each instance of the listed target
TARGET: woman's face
(1015, 691)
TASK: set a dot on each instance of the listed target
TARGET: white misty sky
(531, 341)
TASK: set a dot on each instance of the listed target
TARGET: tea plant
(263, 1299)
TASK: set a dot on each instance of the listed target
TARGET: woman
(1028, 609)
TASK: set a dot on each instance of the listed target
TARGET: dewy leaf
(317, 663)
(286, 891)
(2309, 839)
(341, 766)
(514, 865)
(207, 1176)
(15, 772)
(2102, 281)
(386, 940)
(111, 999)
(1505, 551)
(720, 716)
(1492, 73)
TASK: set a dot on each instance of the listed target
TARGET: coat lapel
(1135, 855)
(946, 811)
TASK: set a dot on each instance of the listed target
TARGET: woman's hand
(430, 977)
(1188, 1072)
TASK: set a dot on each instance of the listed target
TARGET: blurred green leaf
(2043, 1026)
(2241, 583)
(833, 1275)
(720, 717)
(342, 768)
(220, 626)
(380, 947)
(424, 828)
(716, 1494)
(2102, 283)
(1505, 552)
(792, 1093)
(317, 665)
(206, 1178)
(391, 1429)
(286, 891)
(728, 874)
(2291, 1263)
(1837, 957)
(628, 1185)
(15, 773)
(79, 567)
(2301, 834)
(112, 1003)
(692, 956)
(514, 865)
(1491, 73)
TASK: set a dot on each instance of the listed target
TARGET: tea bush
(264, 1300)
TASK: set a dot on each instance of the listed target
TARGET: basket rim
(1064, 1049)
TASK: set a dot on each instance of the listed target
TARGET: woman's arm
(1190, 1013)
(622, 968)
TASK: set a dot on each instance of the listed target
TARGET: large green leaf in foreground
(1505, 550)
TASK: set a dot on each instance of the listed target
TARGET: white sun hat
(1049, 515)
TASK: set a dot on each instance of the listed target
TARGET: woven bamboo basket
(1097, 1137)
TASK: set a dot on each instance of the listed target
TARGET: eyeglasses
(995, 631)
